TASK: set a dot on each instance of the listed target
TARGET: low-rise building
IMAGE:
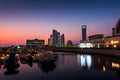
(35, 43)
(69, 43)
(97, 40)
(114, 40)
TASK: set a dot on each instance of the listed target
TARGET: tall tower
(54, 37)
(58, 39)
(62, 40)
(50, 41)
(113, 31)
(84, 27)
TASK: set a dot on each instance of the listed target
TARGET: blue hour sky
(29, 19)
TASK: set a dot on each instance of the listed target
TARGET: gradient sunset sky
(30, 19)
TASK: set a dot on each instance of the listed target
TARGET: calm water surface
(68, 66)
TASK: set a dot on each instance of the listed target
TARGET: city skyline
(56, 39)
(21, 20)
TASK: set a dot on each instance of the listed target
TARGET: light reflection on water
(68, 67)
(84, 60)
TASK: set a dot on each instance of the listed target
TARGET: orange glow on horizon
(16, 35)
(17, 38)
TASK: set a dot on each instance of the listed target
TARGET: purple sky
(29, 19)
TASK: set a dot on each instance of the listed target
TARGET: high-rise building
(50, 41)
(113, 31)
(84, 27)
(56, 39)
(62, 40)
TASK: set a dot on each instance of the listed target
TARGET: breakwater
(109, 52)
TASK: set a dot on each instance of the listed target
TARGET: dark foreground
(67, 67)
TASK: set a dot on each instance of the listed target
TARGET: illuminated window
(98, 45)
(111, 41)
(115, 46)
(115, 65)
(107, 45)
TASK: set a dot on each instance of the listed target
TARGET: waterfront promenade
(108, 52)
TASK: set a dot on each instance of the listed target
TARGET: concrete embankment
(108, 52)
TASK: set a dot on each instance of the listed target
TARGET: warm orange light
(114, 42)
(104, 68)
(111, 41)
(115, 46)
(116, 65)
(107, 45)
(98, 45)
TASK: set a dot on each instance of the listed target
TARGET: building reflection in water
(65, 64)
(84, 60)
(47, 67)
(99, 63)
(67, 61)
(27, 60)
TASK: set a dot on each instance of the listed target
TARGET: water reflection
(84, 60)
(99, 62)
(47, 67)
(27, 60)
(68, 66)
(44, 65)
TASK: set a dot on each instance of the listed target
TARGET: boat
(11, 63)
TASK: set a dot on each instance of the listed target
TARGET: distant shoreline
(107, 52)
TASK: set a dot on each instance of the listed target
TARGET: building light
(104, 68)
(84, 27)
(98, 45)
(115, 65)
(107, 45)
(85, 45)
(18, 47)
(115, 46)
(114, 42)
(111, 41)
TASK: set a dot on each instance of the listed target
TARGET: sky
(29, 19)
